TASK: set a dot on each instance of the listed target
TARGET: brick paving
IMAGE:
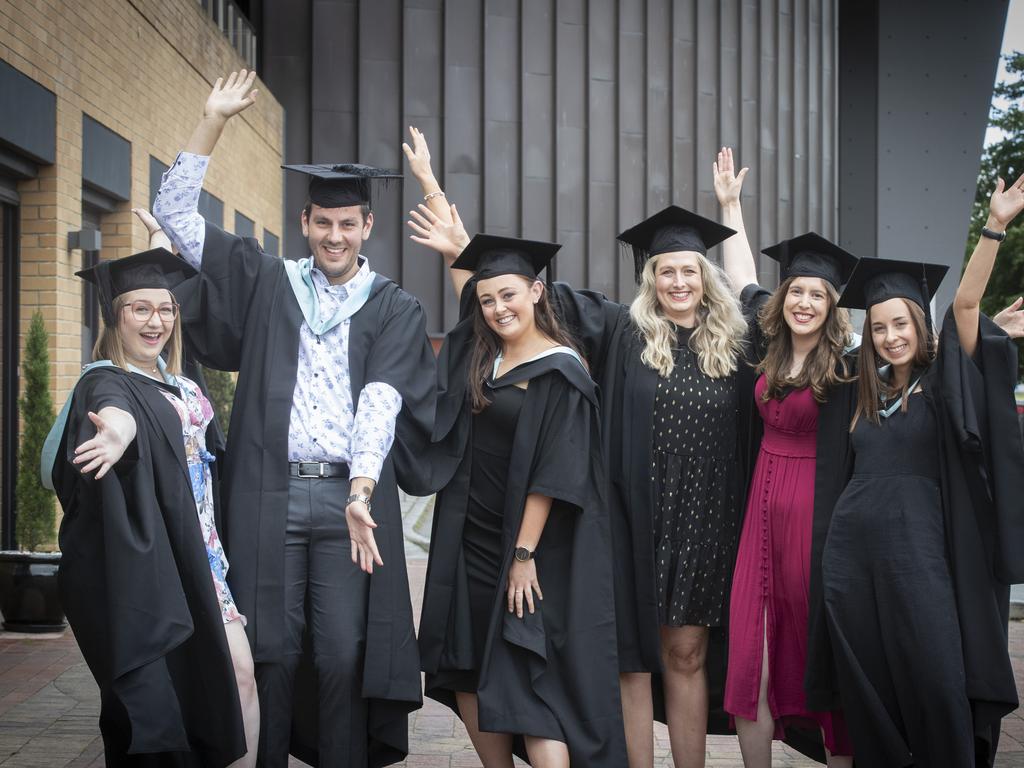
(49, 708)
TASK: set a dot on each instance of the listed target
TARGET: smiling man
(334, 404)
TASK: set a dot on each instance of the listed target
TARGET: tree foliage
(1003, 158)
(34, 510)
(221, 387)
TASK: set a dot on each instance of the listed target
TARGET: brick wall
(143, 69)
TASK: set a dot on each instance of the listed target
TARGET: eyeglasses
(142, 311)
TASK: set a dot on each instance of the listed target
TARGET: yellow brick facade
(142, 69)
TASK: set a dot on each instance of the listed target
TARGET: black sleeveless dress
(890, 603)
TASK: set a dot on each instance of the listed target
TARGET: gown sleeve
(977, 393)
(752, 300)
(216, 304)
(95, 392)
(594, 321)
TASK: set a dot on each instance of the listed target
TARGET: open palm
(230, 97)
(1005, 204)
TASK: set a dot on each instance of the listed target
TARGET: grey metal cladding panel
(28, 115)
(784, 120)
(602, 251)
(814, 120)
(334, 136)
(632, 208)
(750, 56)
(380, 29)
(463, 23)
(631, 83)
(463, 129)
(538, 37)
(501, 68)
(602, 39)
(659, 112)
(799, 125)
(334, 73)
(708, 93)
(538, 125)
(601, 132)
(764, 162)
(244, 226)
(571, 75)
(538, 209)
(156, 172)
(684, 103)
(829, 227)
(571, 181)
(937, 71)
(423, 62)
(501, 178)
(728, 79)
(570, 265)
(631, 17)
(106, 159)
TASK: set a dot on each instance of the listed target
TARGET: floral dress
(195, 413)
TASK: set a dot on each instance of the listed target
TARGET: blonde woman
(674, 381)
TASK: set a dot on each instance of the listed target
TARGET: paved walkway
(49, 709)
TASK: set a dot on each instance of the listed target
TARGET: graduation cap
(811, 255)
(877, 280)
(338, 186)
(491, 255)
(156, 268)
(671, 230)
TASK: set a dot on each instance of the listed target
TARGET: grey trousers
(324, 587)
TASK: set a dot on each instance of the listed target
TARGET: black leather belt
(317, 469)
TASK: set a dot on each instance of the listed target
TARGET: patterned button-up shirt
(325, 423)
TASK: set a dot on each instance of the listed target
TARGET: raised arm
(737, 258)
(1003, 207)
(447, 238)
(176, 204)
(115, 430)
(157, 237)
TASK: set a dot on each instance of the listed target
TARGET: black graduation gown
(627, 386)
(552, 674)
(981, 481)
(240, 314)
(135, 584)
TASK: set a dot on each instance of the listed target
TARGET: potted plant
(28, 577)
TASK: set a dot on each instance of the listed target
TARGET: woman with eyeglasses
(143, 572)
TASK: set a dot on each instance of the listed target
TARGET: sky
(1013, 40)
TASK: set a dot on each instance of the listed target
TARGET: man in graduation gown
(333, 406)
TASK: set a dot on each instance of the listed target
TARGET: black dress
(697, 483)
(493, 430)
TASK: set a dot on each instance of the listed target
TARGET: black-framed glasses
(142, 311)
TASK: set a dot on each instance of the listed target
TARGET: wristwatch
(358, 497)
(991, 234)
(522, 554)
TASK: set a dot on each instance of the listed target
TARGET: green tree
(221, 387)
(1003, 158)
(35, 513)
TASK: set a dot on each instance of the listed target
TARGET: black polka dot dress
(696, 479)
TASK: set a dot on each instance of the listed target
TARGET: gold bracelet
(427, 197)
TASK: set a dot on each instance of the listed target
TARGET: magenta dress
(772, 573)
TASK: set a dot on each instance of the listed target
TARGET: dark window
(271, 244)
(244, 226)
(8, 369)
(90, 297)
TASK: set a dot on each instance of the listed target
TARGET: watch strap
(991, 234)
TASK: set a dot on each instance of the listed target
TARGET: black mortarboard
(670, 230)
(491, 255)
(876, 280)
(811, 255)
(338, 186)
(156, 268)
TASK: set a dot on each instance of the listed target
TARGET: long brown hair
(110, 346)
(824, 367)
(870, 386)
(487, 344)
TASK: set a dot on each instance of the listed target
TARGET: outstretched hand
(103, 450)
(230, 97)
(728, 183)
(447, 239)
(1005, 204)
(360, 532)
(157, 237)
(418, 154)
(1011, 319)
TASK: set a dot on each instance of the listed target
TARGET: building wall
(566, 120)
(143, 70)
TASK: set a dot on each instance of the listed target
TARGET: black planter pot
(28, 592)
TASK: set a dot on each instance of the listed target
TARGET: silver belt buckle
(321, 464)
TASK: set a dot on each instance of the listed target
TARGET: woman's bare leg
(638, 718)
(756, 735)
(493, 749)
(683, 652)
(241, 660)
(547, 753)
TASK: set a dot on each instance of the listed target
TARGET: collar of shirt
(342, 290)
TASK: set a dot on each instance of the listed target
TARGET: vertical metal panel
(813, 153)
(684, 102)
(659, 116)
(800, 119)
(829, 118)
(422, 106)
(750, 67)
(729, 112)
(632, 127)
(767, 158)
(784, 119)
(708, 92)
(602, 204)
(380, 123)
(502, 173)
(538, 137)
(571, 140)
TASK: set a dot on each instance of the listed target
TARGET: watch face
(522, 554)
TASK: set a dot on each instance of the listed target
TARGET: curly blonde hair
(717, 338)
